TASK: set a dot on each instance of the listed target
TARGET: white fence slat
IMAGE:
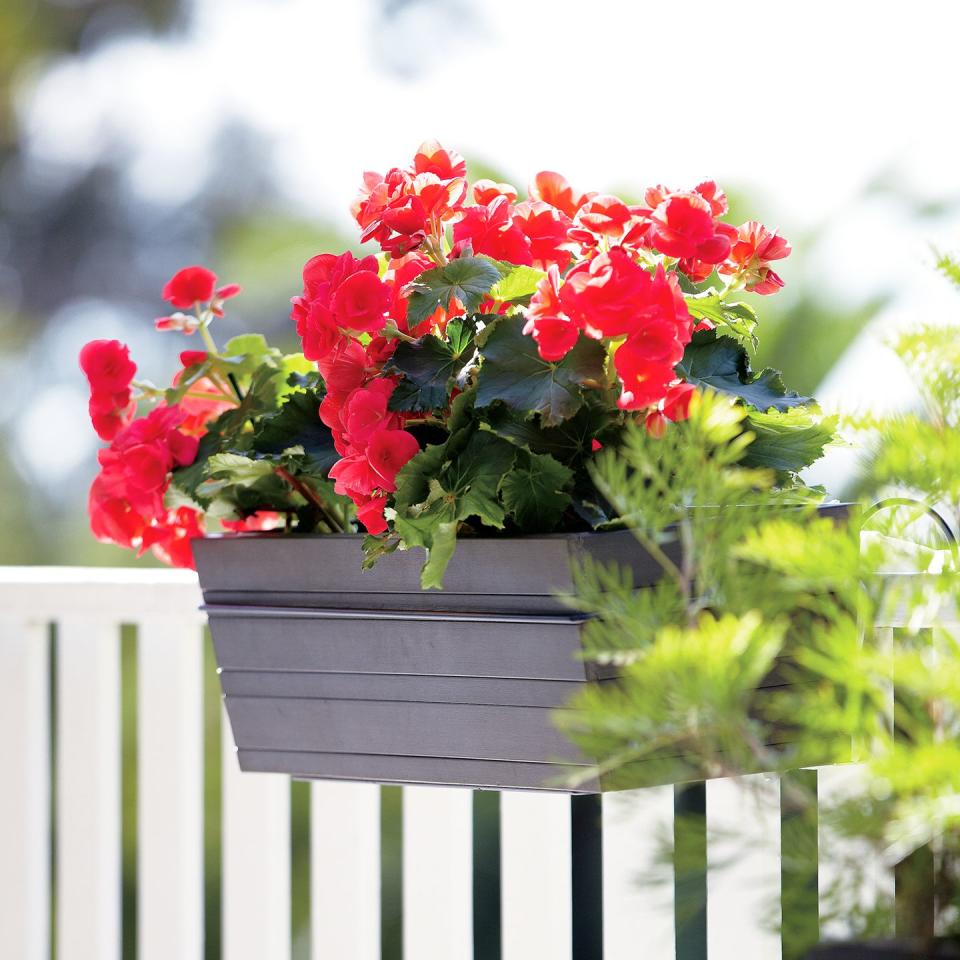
(845, 860)
(88, 790)
(256, 860)
(535, 876)
(170, 791)
(438, 873)
(638, 914)
(25, 797)
(743, 868)
(345, 871)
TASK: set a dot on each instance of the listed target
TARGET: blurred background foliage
(84, 254)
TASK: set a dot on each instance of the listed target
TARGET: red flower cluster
(341, 296)
(612, 296)
(369, 437)
(109, 371)
(611, 267)
(400, 210)
(126, 503)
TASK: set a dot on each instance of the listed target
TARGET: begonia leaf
(513, 372)
(536, 493)
(467, 279)
(721, 364)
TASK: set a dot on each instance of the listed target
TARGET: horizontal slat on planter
(243, 569)
(538, 650)
(399, 729)
(444, 771)
(376, 686)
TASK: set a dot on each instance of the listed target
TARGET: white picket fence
(80, 830)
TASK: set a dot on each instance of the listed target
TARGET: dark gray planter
(336, 673)
(331, 672)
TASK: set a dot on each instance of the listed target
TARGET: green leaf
(534, 493)
(247, 344)
(297, 373)
(739, 319)
(188, 479)
(467, 279)
(445, 484)
(238, 469)
(519, 283)
(237, 486)
(461, 332)
(721, 364)
(571, 442)
(790, 440)
(375, 547)
(298, 423)
(430, 366)
(512, 371)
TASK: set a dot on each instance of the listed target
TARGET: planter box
(331, 672)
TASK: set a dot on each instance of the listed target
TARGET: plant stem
(310, 495)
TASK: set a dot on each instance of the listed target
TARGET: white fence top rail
(116, 594)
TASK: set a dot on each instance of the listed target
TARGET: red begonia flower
(486, 191)
(107, 366)
(170, 538)
(553, 188)
(677, 402)
(545, 228)
(190, 286)
(370, 514)
(340, 294)
(432, 158)
(605, 216)
(713, 195)
(109, 371)
(683, 226)
(353, 475)
(365, 411)
(389, 450)
(753, 250)
(112, 519)
(261, 520)
(656, 423)
(344, 369)
(490, 229)
(360, 302)
(554, 332)
(203, 403)
(612, 296)
(645, 382)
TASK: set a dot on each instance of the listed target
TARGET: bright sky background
(609, 93)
